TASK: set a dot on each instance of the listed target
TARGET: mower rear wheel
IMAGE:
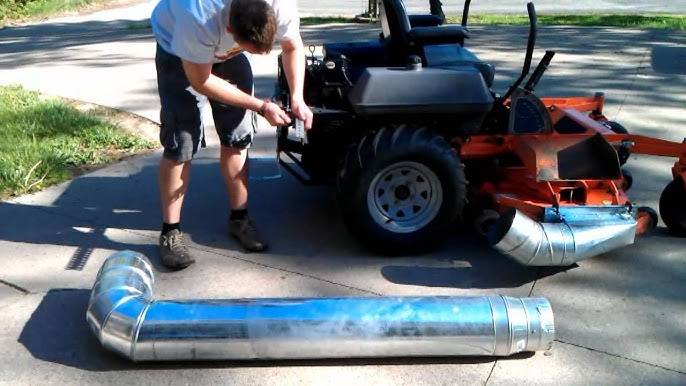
(400, 188)
(673, 207)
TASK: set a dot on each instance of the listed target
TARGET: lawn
(21, 10)
(47, 141)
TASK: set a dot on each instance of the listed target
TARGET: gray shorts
(182, 131)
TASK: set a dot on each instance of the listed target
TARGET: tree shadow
(40, 43)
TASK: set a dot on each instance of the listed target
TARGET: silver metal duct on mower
(126, 319)
(566, 235)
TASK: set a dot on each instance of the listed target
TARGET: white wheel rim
(404, 197)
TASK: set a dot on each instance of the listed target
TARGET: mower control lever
(465, 13)
(538, 72)
(531, 43)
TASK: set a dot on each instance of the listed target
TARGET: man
(201, 47)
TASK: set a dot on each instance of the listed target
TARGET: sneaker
(246, 233)
(173, 251)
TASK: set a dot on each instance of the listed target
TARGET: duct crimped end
(527, 323)
(120, 296)
(541, 323)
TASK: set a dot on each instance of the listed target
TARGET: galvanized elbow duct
(576, 233)
(126, 319)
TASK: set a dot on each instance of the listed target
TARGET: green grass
(674, 22)
(315, 20)
(47, 141)
(19, 10)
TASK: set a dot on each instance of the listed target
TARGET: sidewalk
(620, 317)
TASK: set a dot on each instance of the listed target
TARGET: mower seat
(440, 45)
(397, 28)
(425, 20)
(365, 54)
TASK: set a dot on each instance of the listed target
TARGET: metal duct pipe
(126, 319)
(566, 236)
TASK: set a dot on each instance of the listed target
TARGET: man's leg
(234, 167)
(173, 181)
(235, 127)
(180, 135)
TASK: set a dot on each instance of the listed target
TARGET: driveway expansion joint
(245, 260)
(15, 287)
(559, 341)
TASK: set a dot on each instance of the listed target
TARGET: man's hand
(203, 81)
(274, 114)
(302, 111)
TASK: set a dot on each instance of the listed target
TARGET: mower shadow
(475, 265)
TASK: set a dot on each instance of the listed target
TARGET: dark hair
(253, 22)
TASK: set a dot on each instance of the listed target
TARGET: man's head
(252, 23)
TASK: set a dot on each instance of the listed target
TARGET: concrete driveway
(620, 317)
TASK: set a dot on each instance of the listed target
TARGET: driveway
(620, 317)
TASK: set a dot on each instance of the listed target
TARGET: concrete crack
(621, 357)
(296, 273)
(490, 373)
(531, 290)
(639, 69)
(15, 287)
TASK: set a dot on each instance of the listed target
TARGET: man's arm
(293, 56)
(203, 81)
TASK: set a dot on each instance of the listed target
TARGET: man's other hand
(302, 111)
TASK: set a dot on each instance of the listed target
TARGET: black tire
(394, 171)
(673, 207)
(618, 127)
(628, 180)
(623, 153)
(650, 212)
(484, 222)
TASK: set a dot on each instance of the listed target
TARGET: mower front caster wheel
(673, 207)
(647, 220)
(627, 180)
(485, 220)
(623, 153)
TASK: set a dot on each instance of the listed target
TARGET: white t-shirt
(194, 30)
